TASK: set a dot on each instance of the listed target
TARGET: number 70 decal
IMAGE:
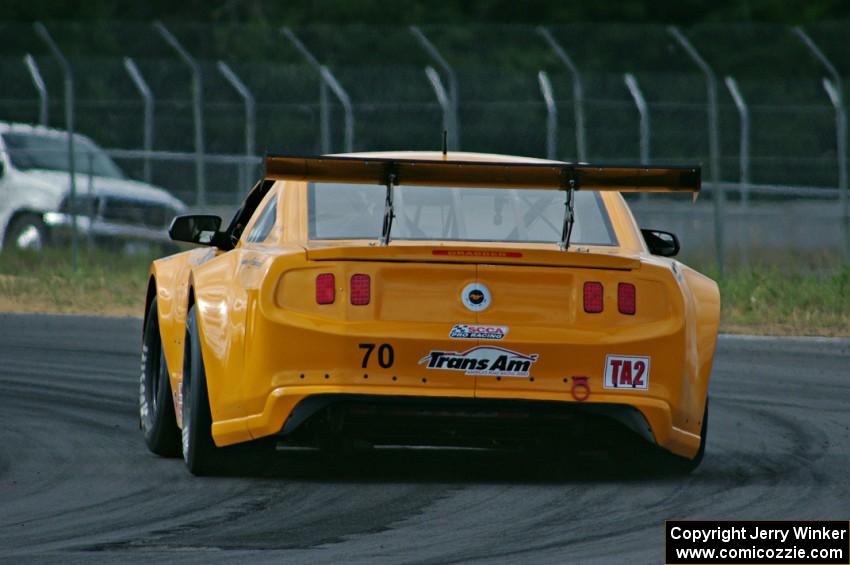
(626, 372)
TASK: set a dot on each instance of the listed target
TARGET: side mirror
(196, 228)
(661, 243)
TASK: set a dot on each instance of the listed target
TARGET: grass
(105, 283)
(775, 302)
(768, 301)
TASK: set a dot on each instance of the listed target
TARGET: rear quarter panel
(703, 298)
(701, 316)
(226, 297)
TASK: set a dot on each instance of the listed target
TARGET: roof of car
(33, 129)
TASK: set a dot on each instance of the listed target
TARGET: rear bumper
(287, 408)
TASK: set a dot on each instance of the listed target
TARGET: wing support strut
(389, 211)
(569, 187)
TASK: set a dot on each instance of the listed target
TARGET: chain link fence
(191, 107)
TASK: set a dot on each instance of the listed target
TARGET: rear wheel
(156, 404)
(200, 453)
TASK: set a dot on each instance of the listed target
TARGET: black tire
(26, 232)
(200, 453)
(156, 403)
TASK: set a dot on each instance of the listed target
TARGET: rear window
(356, 211)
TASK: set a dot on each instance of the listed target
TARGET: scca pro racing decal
(626, 372)
(483, 360)
(468, 331)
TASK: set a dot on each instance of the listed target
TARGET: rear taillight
(593, 297)
(325, 288)
(626, 298)
(361, 289)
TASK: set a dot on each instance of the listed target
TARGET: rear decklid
(415, 283)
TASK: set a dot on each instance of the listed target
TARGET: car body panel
(267, 345)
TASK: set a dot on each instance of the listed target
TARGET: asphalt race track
(77, 483)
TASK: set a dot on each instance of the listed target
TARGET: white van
(35, 193)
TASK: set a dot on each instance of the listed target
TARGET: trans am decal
(626, 372)
(469, 331)
(483, 360)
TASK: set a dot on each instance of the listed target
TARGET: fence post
(324, 105)
(324, 117)
(68, 74)
(90, 211)
(39, 85)
(440, 93)
(836, 96)
(551, 115)
(643, 111)
(434, 53)
(578, 90)
(250, 123)
(197, 109)
(147, 118)
(744, 117)
(345, 100)
(644, 126)
(713, 139)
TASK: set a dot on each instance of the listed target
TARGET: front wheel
(26, 232)
(200, 453)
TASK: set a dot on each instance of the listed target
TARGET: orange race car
(429, 299)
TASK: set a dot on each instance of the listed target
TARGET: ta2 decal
(626, 372)
(484, 360)
(473, 331)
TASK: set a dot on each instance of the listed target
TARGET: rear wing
(499, 174)
(467, 174)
